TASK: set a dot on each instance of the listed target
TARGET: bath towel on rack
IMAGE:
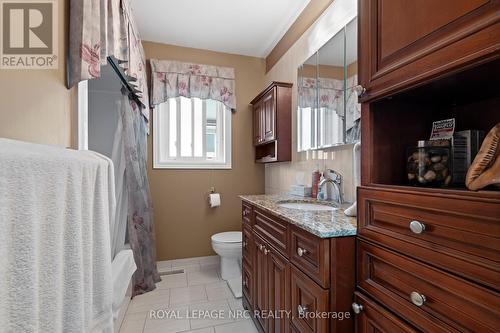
(55, 208)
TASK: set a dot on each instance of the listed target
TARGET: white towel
(55, 272)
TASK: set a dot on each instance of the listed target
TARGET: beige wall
(183, 221)
(280, 176)
(36, 106)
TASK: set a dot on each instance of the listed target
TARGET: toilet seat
(227, 237)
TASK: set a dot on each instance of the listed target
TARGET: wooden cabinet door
(406, 42)
(278, 290)
(374, 319)
(260, 282)
(306, 301)
(269, 109)
(258, 120)
(248, 284)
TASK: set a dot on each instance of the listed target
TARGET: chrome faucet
(336, 180)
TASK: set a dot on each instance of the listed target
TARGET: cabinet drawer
(461, 236)
(307, 299)
(271, 229)
(374, 318)
(247, 283)
(428, 298)
(246, 214)
(311, 254)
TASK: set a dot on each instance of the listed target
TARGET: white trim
(83, 115)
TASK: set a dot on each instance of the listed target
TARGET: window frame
(161, 142)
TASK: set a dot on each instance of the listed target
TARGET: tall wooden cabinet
(403, 43)
(428, 259)
(272, 123)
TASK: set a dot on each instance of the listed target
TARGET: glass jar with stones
(429, 166)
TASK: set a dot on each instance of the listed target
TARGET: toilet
(228, 246)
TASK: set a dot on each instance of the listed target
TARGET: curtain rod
(121, 75)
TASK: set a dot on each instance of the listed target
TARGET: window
(190, 133)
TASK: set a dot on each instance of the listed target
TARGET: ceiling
(233, 26)
(332, 52)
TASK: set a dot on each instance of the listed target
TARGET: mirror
(328, 110)
(307, 103)
(353, 108)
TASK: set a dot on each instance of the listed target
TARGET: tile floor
(183, 301)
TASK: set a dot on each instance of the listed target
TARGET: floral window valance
(331, 96)
(174, 78)
(330, 93)
(105, 28)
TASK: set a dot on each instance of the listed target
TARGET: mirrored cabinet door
(328, 109)
(331, 86)
(307, 104)
(352, 107)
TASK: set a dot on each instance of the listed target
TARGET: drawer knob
(266, 251)
(301, 309)
(417, 227)
(301, 251)
(417, 299)
(261, 247)
(244, 244)
(357, 308)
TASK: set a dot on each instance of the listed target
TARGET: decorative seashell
(485, 169)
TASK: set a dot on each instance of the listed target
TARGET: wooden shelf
(439, 192)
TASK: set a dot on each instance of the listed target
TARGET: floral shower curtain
(105, 28)
(141, 234)
(102, 29)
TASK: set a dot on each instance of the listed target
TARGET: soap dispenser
(316, 175)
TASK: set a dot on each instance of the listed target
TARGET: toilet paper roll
(214, 200)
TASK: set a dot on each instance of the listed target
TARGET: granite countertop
(324, 224)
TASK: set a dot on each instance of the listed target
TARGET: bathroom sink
(306, 206)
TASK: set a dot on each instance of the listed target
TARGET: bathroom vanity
(298, 264)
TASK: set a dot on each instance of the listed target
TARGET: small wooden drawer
(430, 299)
(311, 254)
(308, 300)
(247, 283)
(272, 229)
(247, 245)
(374, 318)
(246, 213)
(460, 235)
